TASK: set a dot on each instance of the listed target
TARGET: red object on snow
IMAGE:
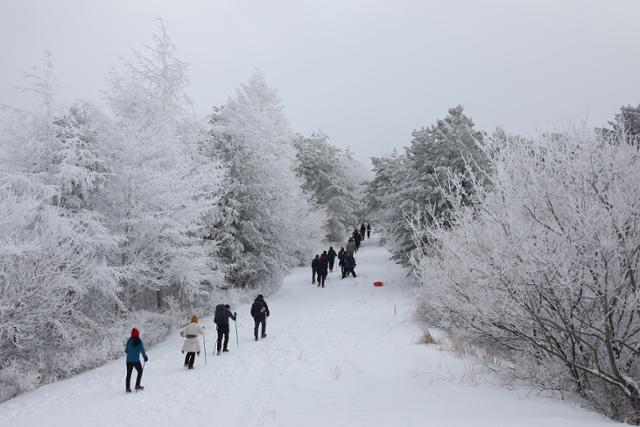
(378, 284)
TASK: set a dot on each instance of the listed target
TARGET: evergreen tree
(261, 226)
(408, 187)
(164, 186)
(324, 170)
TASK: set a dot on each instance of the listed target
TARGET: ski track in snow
(345, 355)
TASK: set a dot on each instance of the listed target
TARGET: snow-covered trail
(345, 355)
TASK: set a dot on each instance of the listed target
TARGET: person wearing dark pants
(260, 312)
(331, 256)
(221, 318)
(341, 256)
(368, 231)
(134, 348)
(191, 345)
(349, 266)
(314, 269)
(363, 230)
(323, 266)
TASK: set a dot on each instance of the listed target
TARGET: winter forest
(524, 250)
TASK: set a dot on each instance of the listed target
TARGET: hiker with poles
(134, 348)
(191, 344)
(221, 319)
(260, 312)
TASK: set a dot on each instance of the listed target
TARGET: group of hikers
(323, 264)
(320, 266)
(191, 333)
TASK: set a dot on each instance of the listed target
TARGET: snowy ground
(345, 355)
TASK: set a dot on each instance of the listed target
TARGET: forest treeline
(140, 212)
(526, 249)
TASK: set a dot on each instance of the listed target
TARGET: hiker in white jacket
(191, 344)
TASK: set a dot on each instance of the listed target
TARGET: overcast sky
(365, 72)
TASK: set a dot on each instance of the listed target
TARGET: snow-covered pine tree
(325, 171)
(448, 147)
(264, 225)
(164, 186)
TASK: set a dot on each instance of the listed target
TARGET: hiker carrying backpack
(260, 312)
(221, 319)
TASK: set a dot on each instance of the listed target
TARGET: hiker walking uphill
(260, 312)
(314, 269)
(323, 265)
(331, 256)
(363, 231)
(221, 319)
(368, 231)
(341, 255)
(351, 246)
(134, 348)
(191, 345)
(357, 239)
(349, 266)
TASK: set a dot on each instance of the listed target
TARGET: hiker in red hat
(134, 348)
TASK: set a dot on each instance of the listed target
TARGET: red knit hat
(135, 332)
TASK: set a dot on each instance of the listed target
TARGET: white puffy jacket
(191, 344)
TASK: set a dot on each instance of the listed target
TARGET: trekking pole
(235, 323)
(204, 343)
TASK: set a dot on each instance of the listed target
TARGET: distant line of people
(134, 347)
(322, 264)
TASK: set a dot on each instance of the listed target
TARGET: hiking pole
(204, 343)
(235, 323)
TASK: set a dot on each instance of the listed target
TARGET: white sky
(365, 72)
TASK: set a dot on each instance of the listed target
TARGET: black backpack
(219, 313)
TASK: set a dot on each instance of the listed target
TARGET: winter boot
(139, 388)
(128, 390)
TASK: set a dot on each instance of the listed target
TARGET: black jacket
(323, 265)
(331, 254)
(225, 319)
(259, 309)
(314, 264)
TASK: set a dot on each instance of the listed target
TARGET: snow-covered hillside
(345, 355)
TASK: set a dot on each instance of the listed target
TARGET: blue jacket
(133, 351)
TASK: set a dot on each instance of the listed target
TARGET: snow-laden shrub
(544, 264)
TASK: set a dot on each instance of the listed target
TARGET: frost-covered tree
(164, 185)
(327, 174)
(263, 225)
(543, 266)
(411, 183)
(626, 125)
(57, 286)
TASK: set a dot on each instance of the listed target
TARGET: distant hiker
(323, 265)
(191, 344)
(331, 255)
(357, 238)
(363, 230)
(134, 348)
(341, 256)
(368, 231)
(260, 312)
(349, 266)
(314, 269)
(351, 247)
(221, 319)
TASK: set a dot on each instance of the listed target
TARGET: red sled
(378, 284)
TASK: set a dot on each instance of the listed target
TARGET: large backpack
(218, 317)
